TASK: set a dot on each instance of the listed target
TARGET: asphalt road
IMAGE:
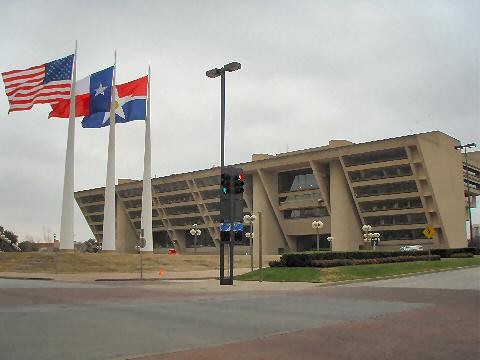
(434, 316)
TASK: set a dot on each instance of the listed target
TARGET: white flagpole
(147, 179)
(108, 242)
(66, 224)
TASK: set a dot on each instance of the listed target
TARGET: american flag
(42, 84)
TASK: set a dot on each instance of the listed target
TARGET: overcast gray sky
(311, 71)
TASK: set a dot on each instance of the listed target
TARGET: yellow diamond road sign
(429, 232)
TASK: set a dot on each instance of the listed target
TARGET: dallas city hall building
(399, 186)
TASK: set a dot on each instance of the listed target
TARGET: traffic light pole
(222, 167)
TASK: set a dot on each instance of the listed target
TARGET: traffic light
(226, 181)
(239, 182)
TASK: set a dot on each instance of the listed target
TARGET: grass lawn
(342, 273)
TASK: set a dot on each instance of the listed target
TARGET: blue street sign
(224, 226)
(236, 227)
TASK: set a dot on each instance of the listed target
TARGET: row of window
(380, 173)
(400, 219)
(186, 221)
(186, 209)
(385, 189)
(92, 198)
(174, 186)
(173, 199)
(305, 213)
(94, 208)
(407, 234)
(138, 213)
(395, 204)
(155, 224)
(375, 156)
(130, 192)
(208, 181)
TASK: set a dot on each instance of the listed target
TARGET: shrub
(446, 253)
(28, 246)
(461, 255)
(274, 263)
(305, 259)
(385, 260)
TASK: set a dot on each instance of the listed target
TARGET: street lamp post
(464, 148)
(213, 73)
(317, 225)
(249, 219)
(195, 232)
(369, 237)
(330, 239)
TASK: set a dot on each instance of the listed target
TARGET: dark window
(407, 234)
(204, 240)
(395, 204)
(133, 203)
(92, 198)
(401, 219)
(305, 213)
(210, 194)
(297, 180)
(186, 221)
(187, 209)
(130, 192)
(208, 181)
(96, 218)
(175, 186)
(309, 242)
(380, 173)
(157, 224)
(215, 218)
(94, 208)
(98, 227)
(213, 206)
(375, 156)
(384, 189)
(161, 240)
(173, 199)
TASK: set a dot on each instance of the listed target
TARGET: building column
(346, 226)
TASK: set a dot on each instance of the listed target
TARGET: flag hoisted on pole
(66, 224)
(146, 222)
(108, 241)
(42, 84)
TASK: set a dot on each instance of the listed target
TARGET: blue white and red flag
(92, 94)
(47, 83)
(130, 104)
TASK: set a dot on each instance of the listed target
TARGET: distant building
(399, 186)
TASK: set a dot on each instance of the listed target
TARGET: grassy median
(344, 273)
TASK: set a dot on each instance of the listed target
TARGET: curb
(155, 279)
(25, 278)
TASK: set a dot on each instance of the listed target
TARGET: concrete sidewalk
(87, 277)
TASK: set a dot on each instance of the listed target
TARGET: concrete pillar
(346, 226)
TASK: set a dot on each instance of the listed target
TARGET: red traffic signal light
(239, 182)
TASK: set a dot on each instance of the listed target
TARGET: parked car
(411, 248)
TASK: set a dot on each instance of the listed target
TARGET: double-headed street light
(195, 232)
(464, 148)
(369, 237)
(317, 225)
(249, 219)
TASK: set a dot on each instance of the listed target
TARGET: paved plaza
(432, 316)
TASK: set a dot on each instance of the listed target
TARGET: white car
(411, 248)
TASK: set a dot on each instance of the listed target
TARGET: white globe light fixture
(195, 232)
(317, 225)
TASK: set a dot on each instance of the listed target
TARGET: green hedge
(446, 253)
(325, 263)
(305, 259)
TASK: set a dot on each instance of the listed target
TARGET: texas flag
(130, 104)
(92, 94)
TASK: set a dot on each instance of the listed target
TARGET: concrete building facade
(399, 186)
